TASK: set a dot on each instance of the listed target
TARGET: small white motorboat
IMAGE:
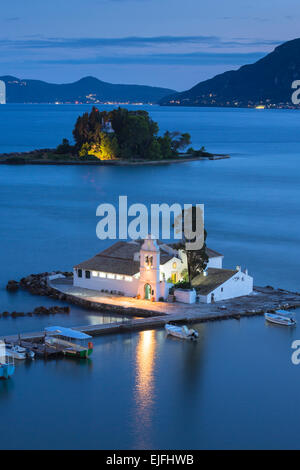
(280, 318)
(11, 352)
(181, 331)
(18, 352)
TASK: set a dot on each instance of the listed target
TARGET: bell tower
(149, 270)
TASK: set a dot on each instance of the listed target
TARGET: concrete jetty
(262, 300)
(143, 314)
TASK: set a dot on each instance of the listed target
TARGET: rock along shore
(34, 158)
(264, 299)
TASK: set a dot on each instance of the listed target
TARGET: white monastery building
(148, 268)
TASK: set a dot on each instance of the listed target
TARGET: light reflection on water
(186, 361)
(144, 387)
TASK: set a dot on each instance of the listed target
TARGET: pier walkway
(157, 314)
(261, 300)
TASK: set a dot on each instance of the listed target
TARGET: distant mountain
(86, 90)
(266, 82)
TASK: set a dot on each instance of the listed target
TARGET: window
(102, 274)
(111, 276)
(95, 273)
(222, 289)
(79, 272)
(128, 278)
(174, 265)
(88, 274)
(149, 260)
(119, 277)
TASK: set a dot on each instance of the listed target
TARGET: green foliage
(165, 143)
(198, 153)
(182, 285)
(109, 146)
(185, 275)
(88, 127)
(84, 151)
(197, 260)
(107, 149)
(134, 136)
(178, 141)
(64, 147)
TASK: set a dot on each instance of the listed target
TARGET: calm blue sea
(235, 388)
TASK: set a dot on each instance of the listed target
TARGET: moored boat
(280, 318)
(65, 340)
(28, 353)
(7, 367)
(181, 331)
(15, 354)
(18, 352)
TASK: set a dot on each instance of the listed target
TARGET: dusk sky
(170, 43)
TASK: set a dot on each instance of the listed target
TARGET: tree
(178, 141)
(196, 259)
(64, 147)
(154, 151)
(165, 143)
(84, 151)
(107, 149)
(88, 127)
(109, 146)
(135, 136)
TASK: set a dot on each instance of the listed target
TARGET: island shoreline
(21, 158)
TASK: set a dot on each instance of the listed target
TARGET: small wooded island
(119, 136)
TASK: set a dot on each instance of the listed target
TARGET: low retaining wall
(37, 284)
(266, 299)
(185, 296)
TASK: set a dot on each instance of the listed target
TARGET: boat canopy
(67, 332)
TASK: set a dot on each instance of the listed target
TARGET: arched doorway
(147, 291)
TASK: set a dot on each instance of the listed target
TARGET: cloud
(246, 18)
(194, 58)
(12, 18)
(131, 41)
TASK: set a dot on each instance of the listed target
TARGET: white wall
(164, 289)
(129, 288)
(216, 262)
(238, 285)
(185, 296)
(167, 269)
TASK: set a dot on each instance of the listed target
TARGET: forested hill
(86, 90)
(266, 82)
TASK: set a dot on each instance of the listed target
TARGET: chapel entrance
(147, 291)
